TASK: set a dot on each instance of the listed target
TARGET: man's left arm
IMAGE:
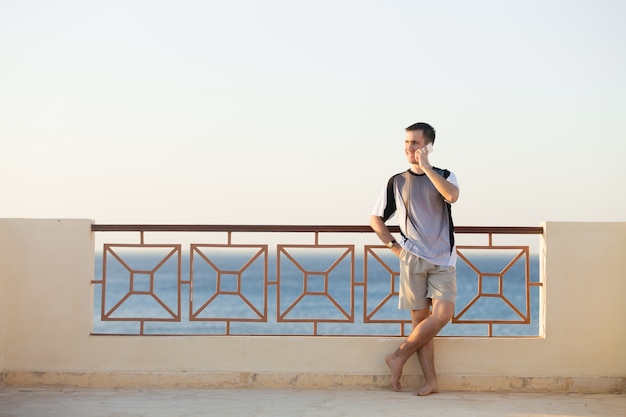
(448, 190)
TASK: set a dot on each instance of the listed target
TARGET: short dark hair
(427, 130)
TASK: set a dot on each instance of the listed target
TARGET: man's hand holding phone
(424, 151)
(421, 155)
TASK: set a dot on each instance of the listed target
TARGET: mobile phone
(429, 148)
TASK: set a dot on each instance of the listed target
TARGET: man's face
(413, 141)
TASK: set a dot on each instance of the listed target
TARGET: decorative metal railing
(332, 285)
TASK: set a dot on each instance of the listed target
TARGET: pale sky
(293, 112)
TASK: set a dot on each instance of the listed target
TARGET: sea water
(320, 287)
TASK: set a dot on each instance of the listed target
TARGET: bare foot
(396, 371)
(427, 389)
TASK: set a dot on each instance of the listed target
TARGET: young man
(421, 198)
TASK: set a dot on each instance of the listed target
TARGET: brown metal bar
(509, 230)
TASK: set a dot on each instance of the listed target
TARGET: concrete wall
(46, 308)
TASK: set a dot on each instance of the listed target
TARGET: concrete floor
(31, 402)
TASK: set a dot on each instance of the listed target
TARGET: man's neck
(417, 170)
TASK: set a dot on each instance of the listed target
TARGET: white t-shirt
(424, 217)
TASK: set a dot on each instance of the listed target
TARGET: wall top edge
(59, 219)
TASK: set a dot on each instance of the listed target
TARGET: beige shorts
(421, 281)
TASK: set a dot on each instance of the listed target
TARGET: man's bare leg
(420, 336)
(426, 356)
(416, 317)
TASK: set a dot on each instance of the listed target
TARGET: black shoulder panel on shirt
(390, 207)
(443, 172)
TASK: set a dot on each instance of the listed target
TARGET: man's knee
(419, 315)
(443, 311)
